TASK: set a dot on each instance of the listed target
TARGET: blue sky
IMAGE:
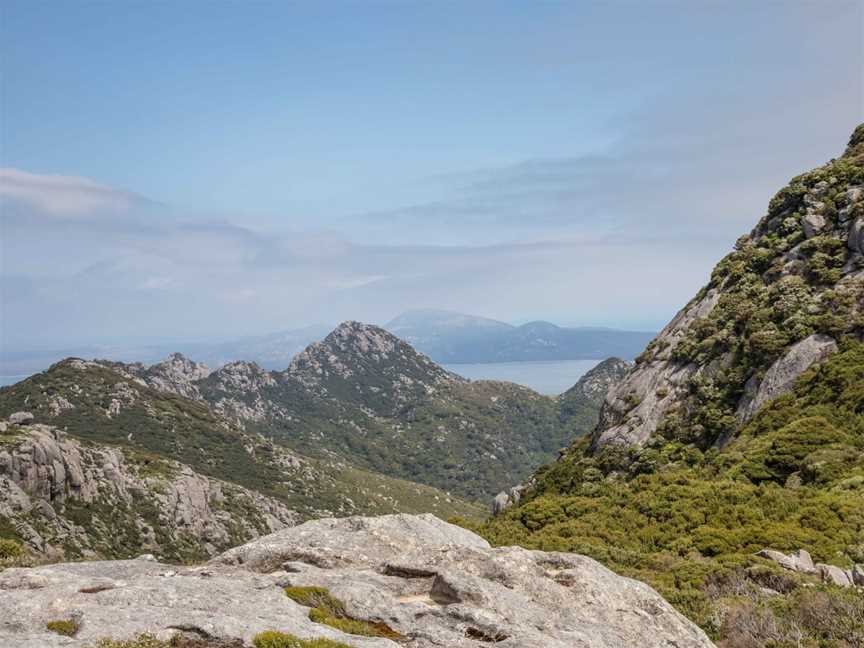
(213, 169)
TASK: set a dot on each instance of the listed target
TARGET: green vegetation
(273, 639)
(155, 429)
(65, 627)
(10, 549)
(401, 415)
(687, 521)
(776, 289)
(330, 611)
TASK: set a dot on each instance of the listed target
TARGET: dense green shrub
(683, 519)
(10, 549)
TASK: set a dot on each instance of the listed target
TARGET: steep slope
(772, 308)
(366, 396)
(450, 337)
(118, 413)
(740, 429)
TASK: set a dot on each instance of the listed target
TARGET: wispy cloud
(65, 196)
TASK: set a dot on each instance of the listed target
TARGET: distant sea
(550, 377)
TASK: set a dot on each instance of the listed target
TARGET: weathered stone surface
(43, 473)
(781, 376)
(634, 407)
(858, 575)
(437, 584)
(333, 542)
(813, 223)
(21, 418)
(500, 503)
(856, 236)
(133, 596)
(799, 561)
(833, 575)
(441, 585)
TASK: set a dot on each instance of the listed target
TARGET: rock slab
(435, 583)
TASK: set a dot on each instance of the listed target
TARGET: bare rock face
(62, 494)
(177, 374)
(635, 406)
(122, 599)
(799, 561)
(436, 584)
(781, 376)
(810, 244)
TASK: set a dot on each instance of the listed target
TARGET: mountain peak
(362, 338)
(775, 306)
(357, 359)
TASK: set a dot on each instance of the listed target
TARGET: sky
(209, 170)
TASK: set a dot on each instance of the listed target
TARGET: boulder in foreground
(431, 582)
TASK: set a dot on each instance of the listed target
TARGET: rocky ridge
(773, 308)
(431, 583)
(63, 497)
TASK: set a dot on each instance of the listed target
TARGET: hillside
(740, 429)
(117, 414)
(368, 397)
(455, 338)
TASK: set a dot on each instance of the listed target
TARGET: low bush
(65, 627)
(274, 639)
(330, 611)
(10, 549)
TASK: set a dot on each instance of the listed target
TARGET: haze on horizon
(216, 170)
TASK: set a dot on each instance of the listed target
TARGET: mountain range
(456, 338)
(105, 456)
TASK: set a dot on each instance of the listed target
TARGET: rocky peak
(775, 306)
(358, 360)
(597, 381)
(243, 375)
(176, 374)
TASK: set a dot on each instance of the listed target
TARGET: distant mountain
(362, 409)
(453, 338)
